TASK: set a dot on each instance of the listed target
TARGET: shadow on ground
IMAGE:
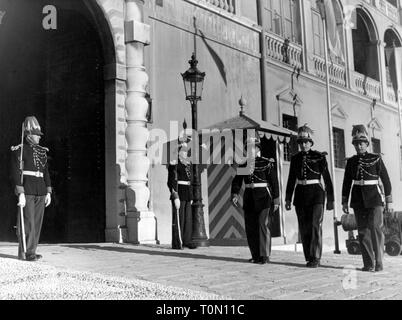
(182, 254)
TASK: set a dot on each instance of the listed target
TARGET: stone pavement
(224, 271)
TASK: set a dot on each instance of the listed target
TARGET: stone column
(141, 221)
(382, 69)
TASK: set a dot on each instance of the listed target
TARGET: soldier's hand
(330, 205)
(177, 204)
(21, 200)
(48, 200)
(345, 208)
(288, 205)
(235, 200)
(276, 207)
(389, 208)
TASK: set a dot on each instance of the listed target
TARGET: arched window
(283, 18)
(318, 41)
(365, 46)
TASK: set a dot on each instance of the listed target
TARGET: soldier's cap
(32, 127)
(304, 134)
(360, 134)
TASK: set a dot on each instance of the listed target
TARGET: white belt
(37, 174)
(184, 183)
(365, 182)
(307, 182)
(256, 185)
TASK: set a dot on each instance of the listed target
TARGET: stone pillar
(141, 223)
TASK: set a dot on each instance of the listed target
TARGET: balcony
(337, 73)
(226, 5)
(365, 85)
(386, 8)
(284, 51)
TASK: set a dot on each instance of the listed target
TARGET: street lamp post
(193, 84)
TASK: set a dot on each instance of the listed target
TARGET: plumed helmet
(31, 126)
(304, 134)
(360, 134)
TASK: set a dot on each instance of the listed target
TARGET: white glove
(48, 200)
(177, 203)
(21, 200)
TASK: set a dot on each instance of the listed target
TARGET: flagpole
(331, 137)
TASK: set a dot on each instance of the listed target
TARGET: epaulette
(15, 148)
(43, 148)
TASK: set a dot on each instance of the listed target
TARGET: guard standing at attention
(362, 174)
(181, 195)
(30, 176)
(261, 190)
(306, 169)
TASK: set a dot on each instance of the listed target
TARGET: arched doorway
(56, 75)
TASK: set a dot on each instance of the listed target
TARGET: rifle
(24, 246)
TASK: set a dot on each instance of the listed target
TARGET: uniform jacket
(34, 159)
(368, 166)
(180, 172)
(264, 171)
(310, 165)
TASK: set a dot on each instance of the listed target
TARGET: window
(289, 122)
(376, 145)
(283, 18)
(339, 147)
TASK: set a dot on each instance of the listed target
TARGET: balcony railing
(227, 5)
(337, 73)
(365, 85)
(388, 9)
(282, 50)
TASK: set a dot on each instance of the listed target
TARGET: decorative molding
(375, 124)
(290, 96)
(339, 112)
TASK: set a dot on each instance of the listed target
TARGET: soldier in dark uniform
(32, 185)
(363, 171)
(261, 190)
(181, 195)
(306, 169)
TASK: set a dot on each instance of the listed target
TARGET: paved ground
(204, 273)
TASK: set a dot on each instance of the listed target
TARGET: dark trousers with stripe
(310, 225)
(257, 232)
(33, 219)
(371, 237)
(182, 225)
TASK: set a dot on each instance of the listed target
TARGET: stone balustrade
(284, 51)
(337, 73)
(365, 85)
(227, 5)
(388, 9)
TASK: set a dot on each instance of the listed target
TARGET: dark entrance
(57, 76)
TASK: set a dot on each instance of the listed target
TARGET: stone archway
(58, 75)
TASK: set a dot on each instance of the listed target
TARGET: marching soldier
(306, 169)
(261, 191)
(31, 178)
(179, 184)
(362, 174)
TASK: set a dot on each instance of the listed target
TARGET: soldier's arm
(329, 188)
(237, 183)
(16, 172)
(46, 176)
(273, 177)
(172, 181)
(385, 181)
(291, 180)
(347, 183)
